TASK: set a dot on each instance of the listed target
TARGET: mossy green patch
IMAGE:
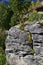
(32, 51)
(29, 37)
(22, 26)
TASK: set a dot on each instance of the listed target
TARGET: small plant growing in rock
(29, 37)
(30, 41)
(21, 27)
(32, 51)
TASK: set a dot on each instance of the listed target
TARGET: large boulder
(19, 45)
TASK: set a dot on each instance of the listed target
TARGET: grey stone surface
(37, 37)
(18, 48)
(34, 28)
(41, 51)
(37, 49)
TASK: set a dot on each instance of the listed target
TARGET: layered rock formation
(19, 45)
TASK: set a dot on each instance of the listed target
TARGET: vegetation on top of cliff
(11, 14)
(21, 27)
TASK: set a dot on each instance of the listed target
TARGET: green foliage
(19, 8)
(2, 59)
(10, 14)
(32, 17)
(35, 16)
(2, 38)
(5, 64)
(2, 56)
(1, 50)
(14, 20)
(32, 51)
(2, 47)
(4, 14)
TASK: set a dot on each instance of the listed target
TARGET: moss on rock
(22, 26)
(32, 51)
(29, 37)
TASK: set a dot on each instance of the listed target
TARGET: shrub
(2, 38)
(35, 16)
(2, 59)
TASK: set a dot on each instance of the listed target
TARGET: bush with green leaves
(2, 56)
(2, 59)
(10, 14)
(35, 17)
(2, 38)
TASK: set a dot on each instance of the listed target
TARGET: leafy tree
(19, 8)
(3, 16)
(2, 38)
(12, 13)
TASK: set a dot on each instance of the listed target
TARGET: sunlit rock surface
(18, 47)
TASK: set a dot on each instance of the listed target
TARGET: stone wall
(19, 49)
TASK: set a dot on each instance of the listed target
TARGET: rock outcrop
(19, 49)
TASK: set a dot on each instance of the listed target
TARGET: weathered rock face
(18, 48)
(37, 35)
